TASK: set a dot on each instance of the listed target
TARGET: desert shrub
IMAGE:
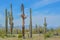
(34, 32)
(10, 35)
(2, 32)
(13, 36)
(48, 34)
(2, 36)
(19, 35)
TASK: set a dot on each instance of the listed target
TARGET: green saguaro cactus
(36, 28)
(45, 28)
(6, 21)
(11, 19)
(30, 23)
(45, 25)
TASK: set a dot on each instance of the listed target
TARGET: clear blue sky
(40, 9)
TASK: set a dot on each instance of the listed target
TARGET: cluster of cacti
(11, 19)
(23, 19)
(6, 21)
(30, 23)
(23, 22)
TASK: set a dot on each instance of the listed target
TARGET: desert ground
(35, 37)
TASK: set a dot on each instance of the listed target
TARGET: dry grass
(35, 37)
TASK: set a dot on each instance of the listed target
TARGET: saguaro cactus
(11, 19)
(45, 28)
(6, 21)
(23, 19)
(45, 25)
(30, 23)
(36, 29)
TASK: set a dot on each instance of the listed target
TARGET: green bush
(20, 35)
(11, 35)
(2, 36)
(47, 35)
(8, 36)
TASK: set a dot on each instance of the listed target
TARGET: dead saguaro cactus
(23, 21)
(30, 23)
(11, 19)
(6, 21)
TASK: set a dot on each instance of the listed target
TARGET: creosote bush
(19, 35)
(9, 35)
(2, 33)
(48, 34)
(2, 36)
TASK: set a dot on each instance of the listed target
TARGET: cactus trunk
(6, 21)
(45, 28)
(23, 21)
(30, 23)
(11, 19)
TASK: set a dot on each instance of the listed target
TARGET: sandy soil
(35, 37)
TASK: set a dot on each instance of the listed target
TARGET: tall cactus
(45, 28)
(30, 23)
(36, 29)
(23, 21)
(45, 25)
(11, 19)
(6, 21)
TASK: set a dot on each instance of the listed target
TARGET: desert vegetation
(37, 33)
